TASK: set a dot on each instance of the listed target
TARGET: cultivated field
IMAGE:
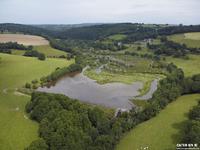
(23, 39)
(17, 131)
(190, 39)
(162, 132)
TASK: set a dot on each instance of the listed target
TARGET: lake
(114, 95)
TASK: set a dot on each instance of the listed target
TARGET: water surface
(114, 95)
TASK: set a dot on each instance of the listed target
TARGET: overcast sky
(99, 11)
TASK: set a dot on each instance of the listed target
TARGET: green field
(49, 51)
(18, 52)
(117, 37)
(17, 131)
(162, 132)
(190, 66)
(190, 39)
(107, 77)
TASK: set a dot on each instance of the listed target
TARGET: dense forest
(134, 32)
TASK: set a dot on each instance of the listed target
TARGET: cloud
(79, 11)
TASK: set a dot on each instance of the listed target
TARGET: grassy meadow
(108, 77)
(190, 39)
(117, 37)
(18, 52)
(190, 66)
(17, 131)
(162, 132)
(49, 51)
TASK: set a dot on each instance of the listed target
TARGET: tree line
(191, 131)
(7, 47)
(59, 72)
(34, 53)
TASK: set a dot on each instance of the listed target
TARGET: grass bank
(163, 131)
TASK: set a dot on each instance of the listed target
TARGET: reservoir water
(114, 95)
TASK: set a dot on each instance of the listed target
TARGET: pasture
(49, 51)
(17, 131)
(190, 66)
(23, 39)
(162, 132)
(190, 39)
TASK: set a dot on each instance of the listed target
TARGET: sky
(100, 11)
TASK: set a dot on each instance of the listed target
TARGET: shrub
(28, 85)
(41, 56)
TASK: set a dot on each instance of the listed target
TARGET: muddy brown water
(113, 95)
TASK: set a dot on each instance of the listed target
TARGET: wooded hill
(132, 31)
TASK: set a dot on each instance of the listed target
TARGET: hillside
(17, 130)
(163, 131)
(135, 57)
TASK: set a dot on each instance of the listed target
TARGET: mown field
(162, 132)
(17, 131)
(23, 39)
(190, 39)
